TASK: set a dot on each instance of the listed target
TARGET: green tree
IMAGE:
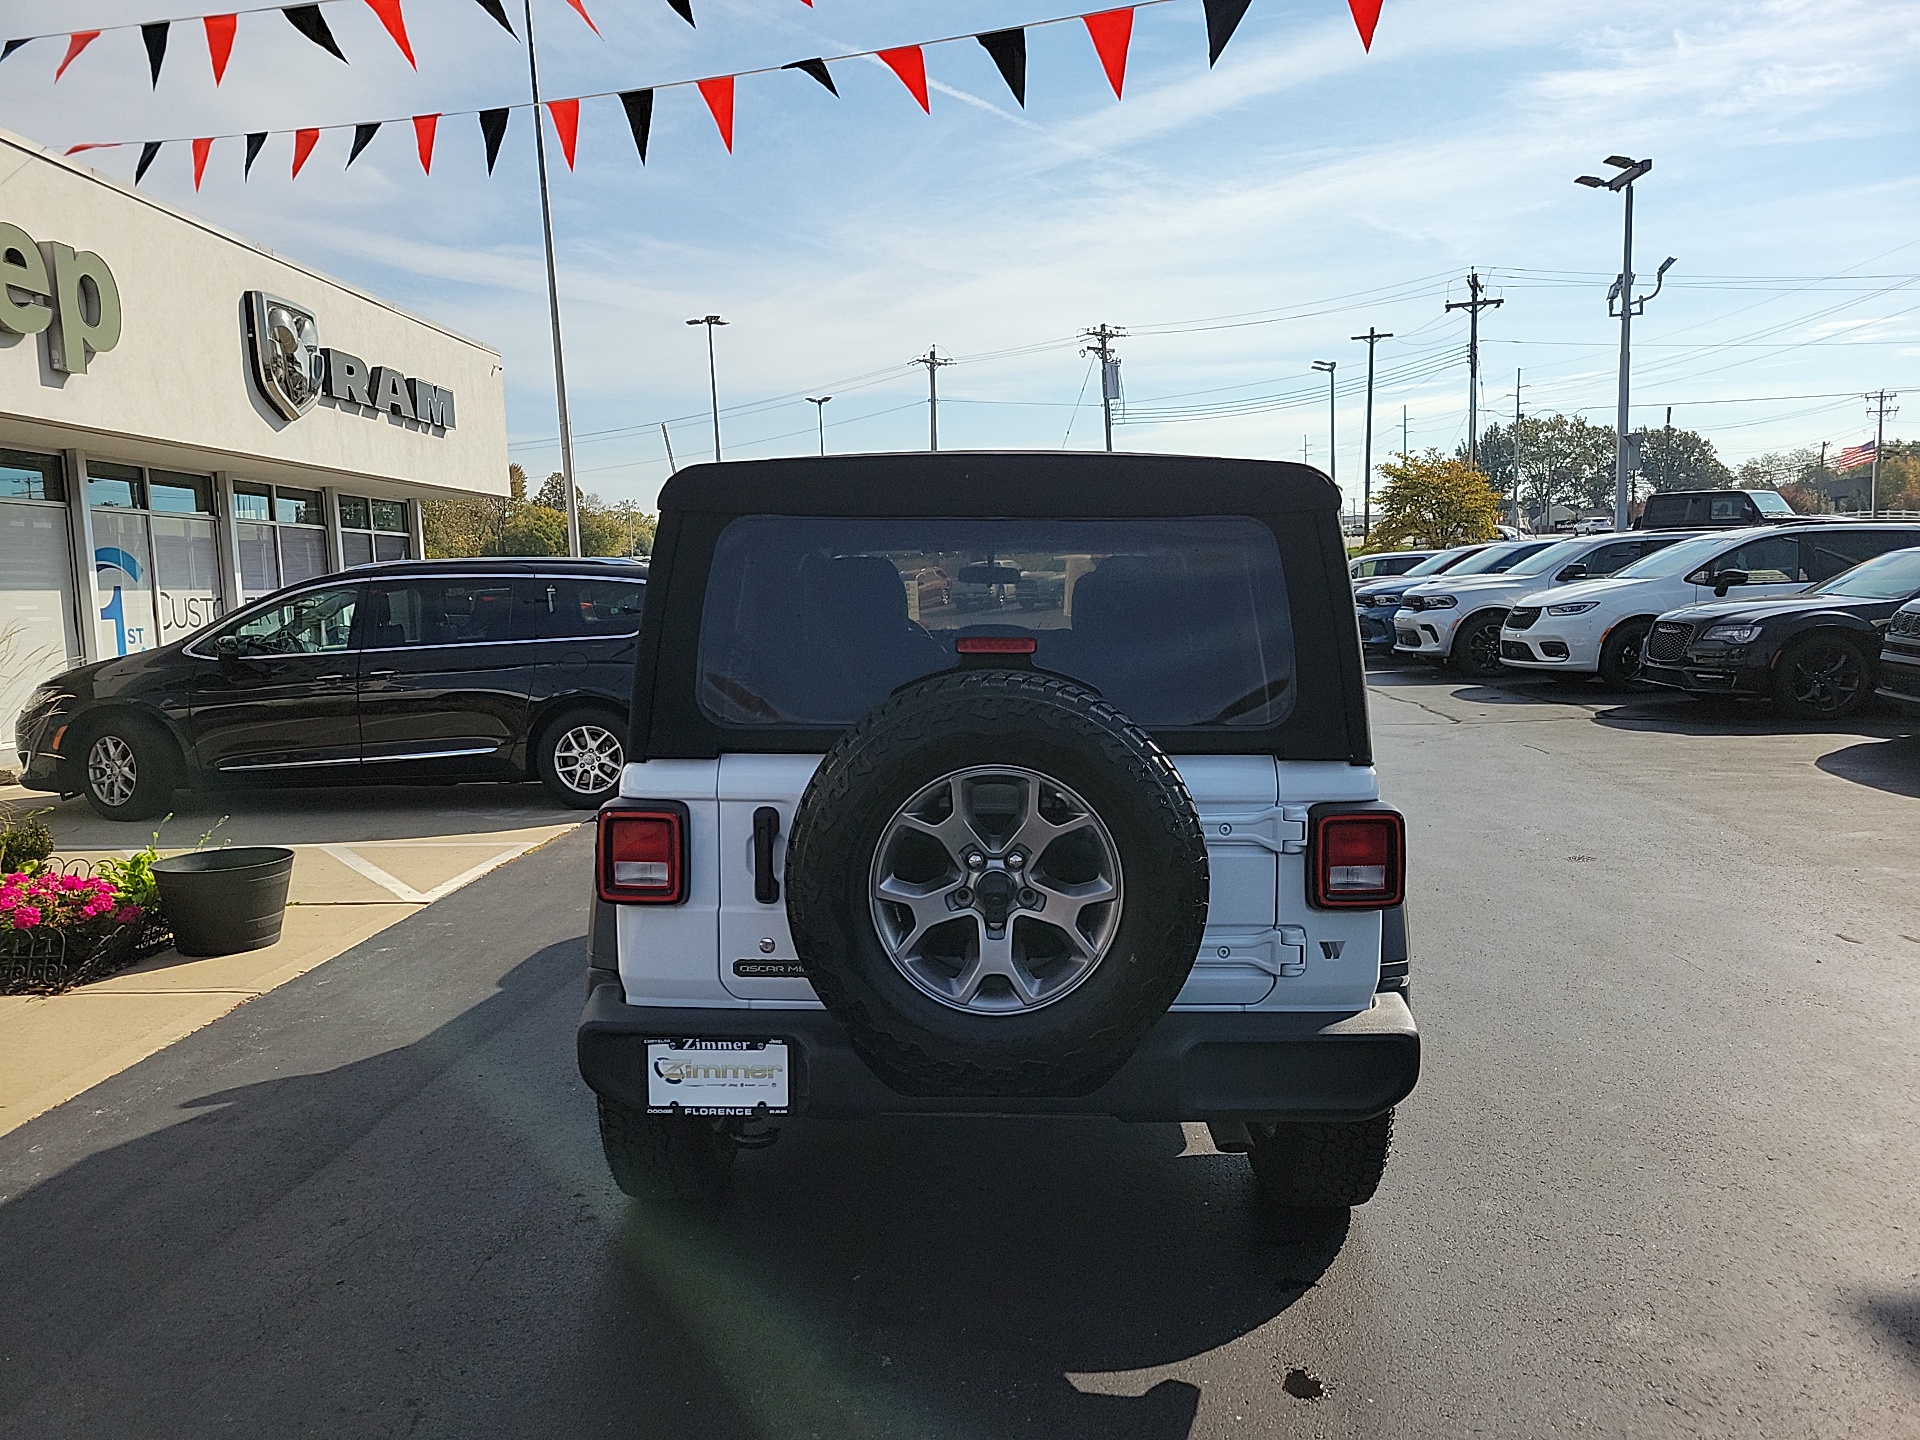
(1681, 460)
(1433, 499)
(533, 530)
(1564, 460)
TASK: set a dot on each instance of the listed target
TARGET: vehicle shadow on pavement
(1681, 715)
(1896, 1316)
(1890, 765)
(977, 1278)
(416, 1236)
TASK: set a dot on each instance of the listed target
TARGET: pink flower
(25, 917)
(127, 914)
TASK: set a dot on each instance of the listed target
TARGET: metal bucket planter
(220, 902)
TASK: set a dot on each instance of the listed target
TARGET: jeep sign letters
(292, 370)
(70, 294)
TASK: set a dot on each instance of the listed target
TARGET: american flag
(1854, 455)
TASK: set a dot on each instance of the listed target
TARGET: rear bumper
(1193, 1065)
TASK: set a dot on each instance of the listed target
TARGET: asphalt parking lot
(1657, 1178)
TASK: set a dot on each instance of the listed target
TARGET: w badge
(285, 341)
(1332, 948)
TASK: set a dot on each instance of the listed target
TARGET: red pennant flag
(303, 143)
(911, 66)
(566, 124)
(94, 145)
(581, 9)
(1366, 15)
(396, 23)
(76, 42)
(1112, 31)
(718, 93)
(219, 42)
(201, 149)
(424, 127)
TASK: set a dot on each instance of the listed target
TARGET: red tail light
(1357, 860)
(996, 645)
(643, 853)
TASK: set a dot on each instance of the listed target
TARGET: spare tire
(997, 882)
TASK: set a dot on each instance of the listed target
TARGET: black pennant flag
(1223, 18)
(683, 8)
(13, 45)
(1009, 51)
(255, 143)
(493, 127)
(147, 152)
(155, 38)
(498, 12)
(308, 20)
(639, 108)
(362, 137)
(817, 68)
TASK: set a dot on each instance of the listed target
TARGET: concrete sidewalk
(362, 861)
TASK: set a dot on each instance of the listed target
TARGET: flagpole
(553, 297)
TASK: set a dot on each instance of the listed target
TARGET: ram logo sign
(293, 370)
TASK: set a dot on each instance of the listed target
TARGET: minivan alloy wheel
(587, 758)
(996, 890)
(112, 772)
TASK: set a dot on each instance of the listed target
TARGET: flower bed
(65, 923)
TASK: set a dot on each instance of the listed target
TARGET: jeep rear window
(812, 621)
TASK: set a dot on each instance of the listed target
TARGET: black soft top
(993, 483)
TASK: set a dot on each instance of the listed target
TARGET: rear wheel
(1620, 655)
(579, 758)
(1322, 1166)
(666, 1157)
(1821, 677)
(127, 770)
(1476, 649)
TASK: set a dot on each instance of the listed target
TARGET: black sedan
(1814, 653)
(416, 672)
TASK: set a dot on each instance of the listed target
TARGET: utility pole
(713, 378)
(1327, 367)
(819, 403)
(1403, 432)
(1473, 305)
(1372, 337)
(1622, 292)
(933, 360)
(553, 297)
(673, 465)
(1103, 337)
(1879, 443)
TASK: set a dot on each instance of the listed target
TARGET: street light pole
(1327, 367)
(819, 403)
(1372, 337)
(1622, 292)
(553, 298)
(713, 378)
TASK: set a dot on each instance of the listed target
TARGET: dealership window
(38, 637)
(155, 566)
(373, 530)
(281, 532)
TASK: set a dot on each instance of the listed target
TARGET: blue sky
(1240, 222)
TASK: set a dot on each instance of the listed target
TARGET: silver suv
(1110, 845)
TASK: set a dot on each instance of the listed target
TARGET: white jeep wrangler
(1000, 784)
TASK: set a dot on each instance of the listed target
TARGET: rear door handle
(380, 675)
(328, 679)
(766, 829)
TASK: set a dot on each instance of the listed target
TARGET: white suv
(1456, 619)
(1599, 626)
(1107, 845)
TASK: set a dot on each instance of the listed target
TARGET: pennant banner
(1111, 32)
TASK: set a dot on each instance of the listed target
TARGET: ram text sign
(293, 369)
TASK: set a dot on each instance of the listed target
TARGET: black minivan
(414, 672)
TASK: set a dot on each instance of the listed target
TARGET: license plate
(717, 1077)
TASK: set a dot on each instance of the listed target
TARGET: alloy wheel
(112, 772)
(588, 758)
(1483, 648)
(1826, 679)
(996, 890)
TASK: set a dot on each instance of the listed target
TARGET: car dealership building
(188, 421)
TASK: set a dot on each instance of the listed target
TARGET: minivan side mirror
(1724, 580)
(1575, 571)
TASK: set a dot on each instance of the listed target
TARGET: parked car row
(1805, 627)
